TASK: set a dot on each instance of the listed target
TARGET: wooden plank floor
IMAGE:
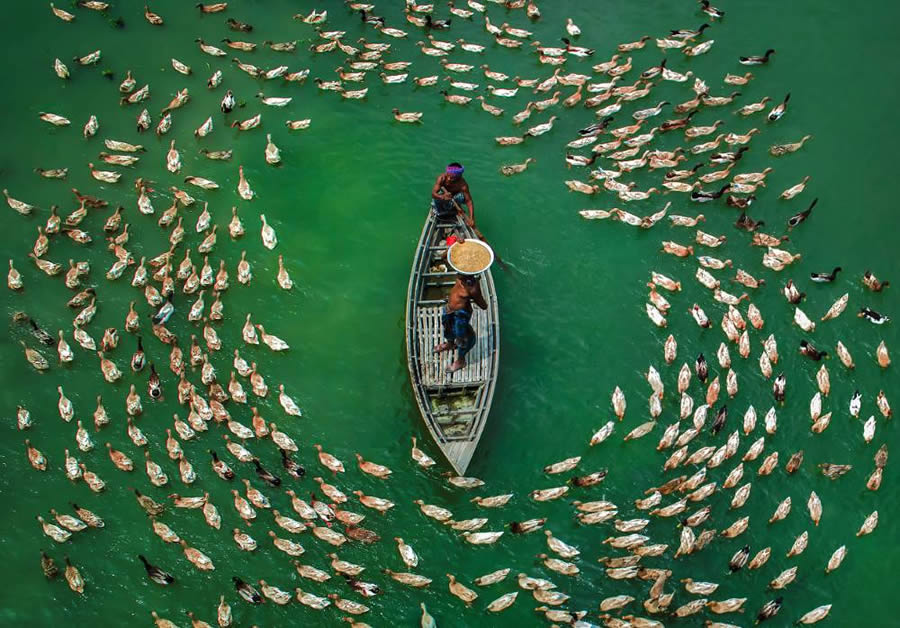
(434, 366)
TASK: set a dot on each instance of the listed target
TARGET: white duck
(243, 187)
(173, 159)
(269, 239)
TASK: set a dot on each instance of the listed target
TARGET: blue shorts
(458, 331)
(445, 209)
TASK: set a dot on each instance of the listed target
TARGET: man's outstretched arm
(436, 190)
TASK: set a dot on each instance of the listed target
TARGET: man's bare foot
(455, 366)
(444, 346)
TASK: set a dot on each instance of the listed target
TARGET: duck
(635, 45)
(243, 187)
(686, 33)
(676, 249)
(718, 101)
(710, 10)
(244, 274)
(825, 277)
(572, 28)
(249, 123)
(73, 577)
(293, 468)
(244, 540)
(740, 203)
(524, 527)
(228, 102)
(60, 68)
(328, 461)
(883, 405)
(269, 238)
(807, 349)
(273, 342)
(119, 459)
(368, 18)
(68, 522)
(699, 49)
(238, 26)
(420, 457)
(757, 60)
(436, 24)
(377, 470)
(779, 110)
(792, 293)
(407, 553)
(54, 531)
(461, 591)
(257, 382)
(511, 169)
(173, 159)
(872, 316)
(409, 117)
(312, 601)
(156, 574)
(745, 223)
(48, 566)
(637, 195)
(54, 119)
(376, 503)
(733, 139)
(272, 101)
(783, 149)
(728, 157)
(14, 278)
(243, 507)
(220, 467)
(246, 591)
(577, 51)
(23, 418)
(798, 218)
(871, 282)
(275, 594)
(793, 191)
(736, 79)
(700, 131)
(90, 127)
(266, 476)
(701, 196)
(154, 472)
(301, 507)
(104, 176)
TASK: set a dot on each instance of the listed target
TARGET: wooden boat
(454, 406)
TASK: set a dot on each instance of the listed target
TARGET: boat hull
(454, 406)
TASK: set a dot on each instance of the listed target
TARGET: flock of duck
(210, 404)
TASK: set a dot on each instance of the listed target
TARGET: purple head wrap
(454, 170)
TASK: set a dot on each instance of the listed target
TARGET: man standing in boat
(457, 314)
(451, 188)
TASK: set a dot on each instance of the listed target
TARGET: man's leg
(463, 346)
(447, 325)
(442, 209)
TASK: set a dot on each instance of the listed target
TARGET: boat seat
(434, 366)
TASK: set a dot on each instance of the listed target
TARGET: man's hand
(468, 220)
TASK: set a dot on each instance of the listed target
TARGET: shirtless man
(450, 186)
(456, 317)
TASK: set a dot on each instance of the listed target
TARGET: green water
(348, 204)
